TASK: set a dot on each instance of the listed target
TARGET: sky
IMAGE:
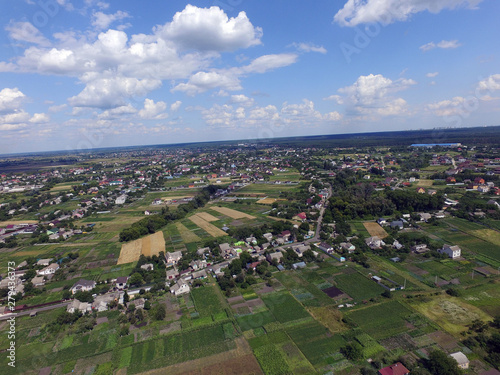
(85, 74)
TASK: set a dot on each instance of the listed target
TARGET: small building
(298, 265)
(327, 248)
(348, 247)
(462, 360)
(171, 274)
(452, 251)
(277, 255)
(83, 286)
(397, 224)
(49, 270)
(174, 257)
(147, 267)
(121, 282)
(395, 369)
(38, 281)
(420, 248)
(75, 305)
(43, 262)
(180, 287)
(381, 221)
(374, 242)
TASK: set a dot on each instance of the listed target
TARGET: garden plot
(187, 235)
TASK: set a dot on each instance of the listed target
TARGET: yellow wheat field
(207, 227)
(267, 201)
(375, 230)
(147, 246)
(232, 213)
(206, 216)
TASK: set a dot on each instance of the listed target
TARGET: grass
(257, 320)
(207, 301)
(383, 320)
(284, 307)
(358, 286)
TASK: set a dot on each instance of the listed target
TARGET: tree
(126, 297)
(352, 351)
(136, 279)
(441, 364)
(158, 312)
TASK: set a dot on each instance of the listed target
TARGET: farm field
(234, 214)
(375, 230)
(187, 235)
(267, 201)
(148, 246)
(206, 226)
(358, 286)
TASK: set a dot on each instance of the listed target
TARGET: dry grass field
(17, 222)
(187, 235)
(148, 246)
(207, 227)
(425, 183)
(267, 201)
(232, 213)
(488, 235)
(206, 216)
(375, 230)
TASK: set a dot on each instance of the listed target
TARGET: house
(419, 248)
(298, 265)
(83, 307)
(397, 224)
(420, 190)
(397, 245)
(138, 303)
(121, 199)
(285, 235)
(381, 221)
(172, 274)
(121, 282)
(252, 266)
(203, 251)
(43, 262)
(174, 257)
(180, 287)
(101, 301)
(462, 360)
(395, 369)
(49, 270)
(424, 216)
(374, 242)
(277, 255)
(302, 216)
(301, 249)
(327, 248)
(225, 248)
(347, 246)
(452, 251)
(83, 286)
(201, 274)
(147, 267)
(38, 281)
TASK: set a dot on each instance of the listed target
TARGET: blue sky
(93, 73)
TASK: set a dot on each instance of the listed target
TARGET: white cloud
(204, 81)
(11, 99)
(371, 95)
(447, 107)
(117, 112)
(444, 44)
(266, 63)
(432, 75)
(39, 118)
(242, 100)
(491, 83)
(357, 12)
(57, 108)
(102, 21)
(26, 32)
(110, 92)
(174, 107)
(153, 111)
(308, 47)
(210, 29)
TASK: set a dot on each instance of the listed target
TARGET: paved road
(27, 312)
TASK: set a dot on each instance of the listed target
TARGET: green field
(358, 286)
(284, 307)
(383, 320)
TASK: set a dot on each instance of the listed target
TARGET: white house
(43, 262)
(84, 307)
(49, 270)
(180, 287)
(462, 360)
(121, 199)
(374, 242)
(83, 286)
(173, 258)
(452, 251)
(147, 267)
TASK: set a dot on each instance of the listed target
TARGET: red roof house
(396, 369)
